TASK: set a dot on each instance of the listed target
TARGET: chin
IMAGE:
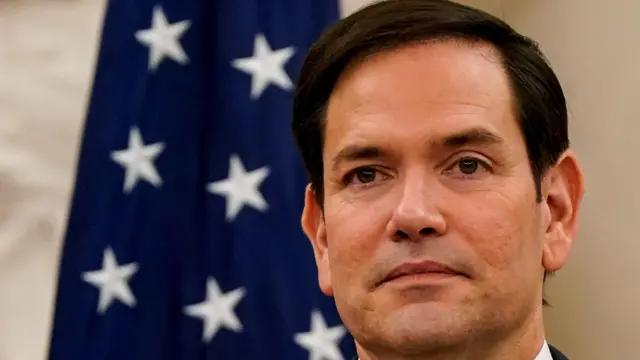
(419, 328)
(428, 320)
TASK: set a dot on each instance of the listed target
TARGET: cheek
(492, 239)
(353, 233)
(500, 232)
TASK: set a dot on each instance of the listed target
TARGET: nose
(416, 215)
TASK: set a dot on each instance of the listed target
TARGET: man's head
(436, 141)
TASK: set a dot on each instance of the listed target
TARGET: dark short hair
(538, 100)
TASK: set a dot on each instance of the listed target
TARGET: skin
(424, 160)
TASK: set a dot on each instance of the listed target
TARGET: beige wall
(46, 60)
(594, 47)
(47, 50)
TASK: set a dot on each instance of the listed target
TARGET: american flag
(184, 239)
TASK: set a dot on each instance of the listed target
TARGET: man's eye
(365, 175)
(468, 166)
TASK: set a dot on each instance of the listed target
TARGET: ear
(563, 188)
(314, 227)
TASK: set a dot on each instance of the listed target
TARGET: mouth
(423, 271)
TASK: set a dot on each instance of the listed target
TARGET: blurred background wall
(47, 52)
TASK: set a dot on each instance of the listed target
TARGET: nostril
(427, 231)
(401, 235)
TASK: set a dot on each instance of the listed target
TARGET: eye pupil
(468, 166)
(366, 175)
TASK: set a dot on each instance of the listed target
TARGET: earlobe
(314, 227)
(563, 190)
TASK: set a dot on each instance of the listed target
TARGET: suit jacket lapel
(556, 354)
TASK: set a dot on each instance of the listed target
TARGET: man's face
(431, 232)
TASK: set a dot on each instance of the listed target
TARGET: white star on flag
(163, 39)
(265, 66)
(137, 160)
(217, 310)
(112, 280)
(322, 341)
(240, 188)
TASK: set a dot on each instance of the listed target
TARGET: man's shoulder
(556, 354)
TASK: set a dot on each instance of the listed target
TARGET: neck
(523, 344)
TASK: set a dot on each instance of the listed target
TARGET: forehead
(424, 89)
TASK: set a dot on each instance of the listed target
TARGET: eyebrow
(477, 136)
(355, 153)
(473, 136)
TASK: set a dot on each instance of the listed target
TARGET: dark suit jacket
(557, 355)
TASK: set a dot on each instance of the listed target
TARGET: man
(443, 190)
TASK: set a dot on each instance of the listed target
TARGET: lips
(423, 267)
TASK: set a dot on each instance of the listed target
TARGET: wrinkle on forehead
(459, 78)
(434, 83)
